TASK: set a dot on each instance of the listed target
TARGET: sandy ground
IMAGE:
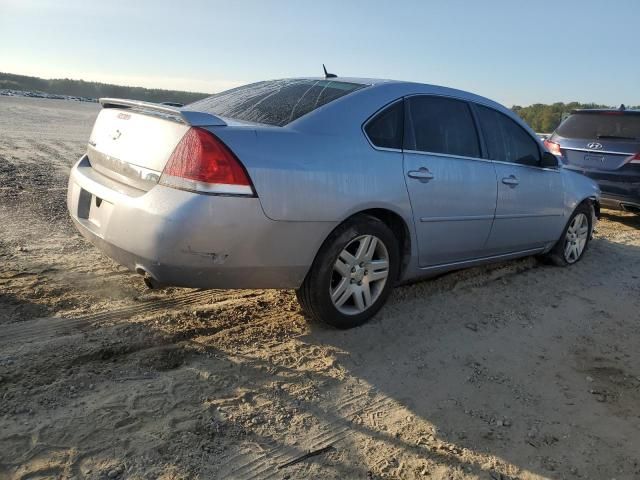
(517, 370)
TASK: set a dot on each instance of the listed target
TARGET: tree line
(544, 118)
(80, 88)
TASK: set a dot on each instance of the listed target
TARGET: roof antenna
(327, 74)
(622, 107)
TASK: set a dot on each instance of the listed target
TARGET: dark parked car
(603, 144)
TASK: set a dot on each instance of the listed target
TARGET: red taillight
(202, 163)
(635, 159)
(553, 147)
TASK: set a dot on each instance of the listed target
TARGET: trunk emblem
(117, 134)
(594, 146)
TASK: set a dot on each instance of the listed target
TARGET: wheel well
(399, 228)
(594, 203)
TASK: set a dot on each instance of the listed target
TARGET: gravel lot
(517, 370)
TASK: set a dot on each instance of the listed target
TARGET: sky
(513, 51)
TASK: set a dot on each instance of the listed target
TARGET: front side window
(386, 128)
(440, 125)
(506, 140)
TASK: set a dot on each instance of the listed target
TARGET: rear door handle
(423, 174)
(511, 180)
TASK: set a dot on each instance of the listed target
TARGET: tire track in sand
(42, 329)
(265, 464)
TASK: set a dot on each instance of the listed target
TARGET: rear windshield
(274, 102)
(610, 125)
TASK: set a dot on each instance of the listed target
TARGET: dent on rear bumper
(194, 240)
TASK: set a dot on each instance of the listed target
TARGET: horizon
(521, 59)
(565, 102)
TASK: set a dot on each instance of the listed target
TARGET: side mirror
(548, 160)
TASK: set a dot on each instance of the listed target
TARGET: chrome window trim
(477, 159)
(488, 160)
(447, 155)
(546, 169)
(385, 149)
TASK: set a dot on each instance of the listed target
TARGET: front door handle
(511, 180)
(423, 174)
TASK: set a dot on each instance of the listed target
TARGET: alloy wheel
(359, 274)
(576, 238)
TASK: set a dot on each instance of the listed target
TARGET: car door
(529, 212)
(451, 188)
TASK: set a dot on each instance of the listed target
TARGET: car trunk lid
(132, 141)
(597, 155)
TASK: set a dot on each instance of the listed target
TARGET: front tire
(353, 273)
(575, 238)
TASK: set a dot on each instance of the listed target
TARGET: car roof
(408, 88)
(359, 80)
(387, 90)
(390, 89)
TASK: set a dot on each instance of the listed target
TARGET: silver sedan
(338, 187)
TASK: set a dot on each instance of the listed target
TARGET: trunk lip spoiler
(190, 117)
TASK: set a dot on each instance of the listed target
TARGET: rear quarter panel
(322, 169)
(577, 188)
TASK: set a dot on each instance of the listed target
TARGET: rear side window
(275, 102)
(610, 125)
(506, 140)
(440, 125)
(386, 128)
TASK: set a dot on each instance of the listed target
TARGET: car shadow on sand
(15, 308)
(497, 370)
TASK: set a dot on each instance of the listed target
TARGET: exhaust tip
(630, 208)
(149, 281)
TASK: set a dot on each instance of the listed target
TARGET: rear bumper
(619, 191)
(191, 240)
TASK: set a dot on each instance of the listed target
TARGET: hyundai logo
(594, 146)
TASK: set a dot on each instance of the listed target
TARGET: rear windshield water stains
(275, 102)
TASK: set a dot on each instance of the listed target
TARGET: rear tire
(353, 273)
(575, 238)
